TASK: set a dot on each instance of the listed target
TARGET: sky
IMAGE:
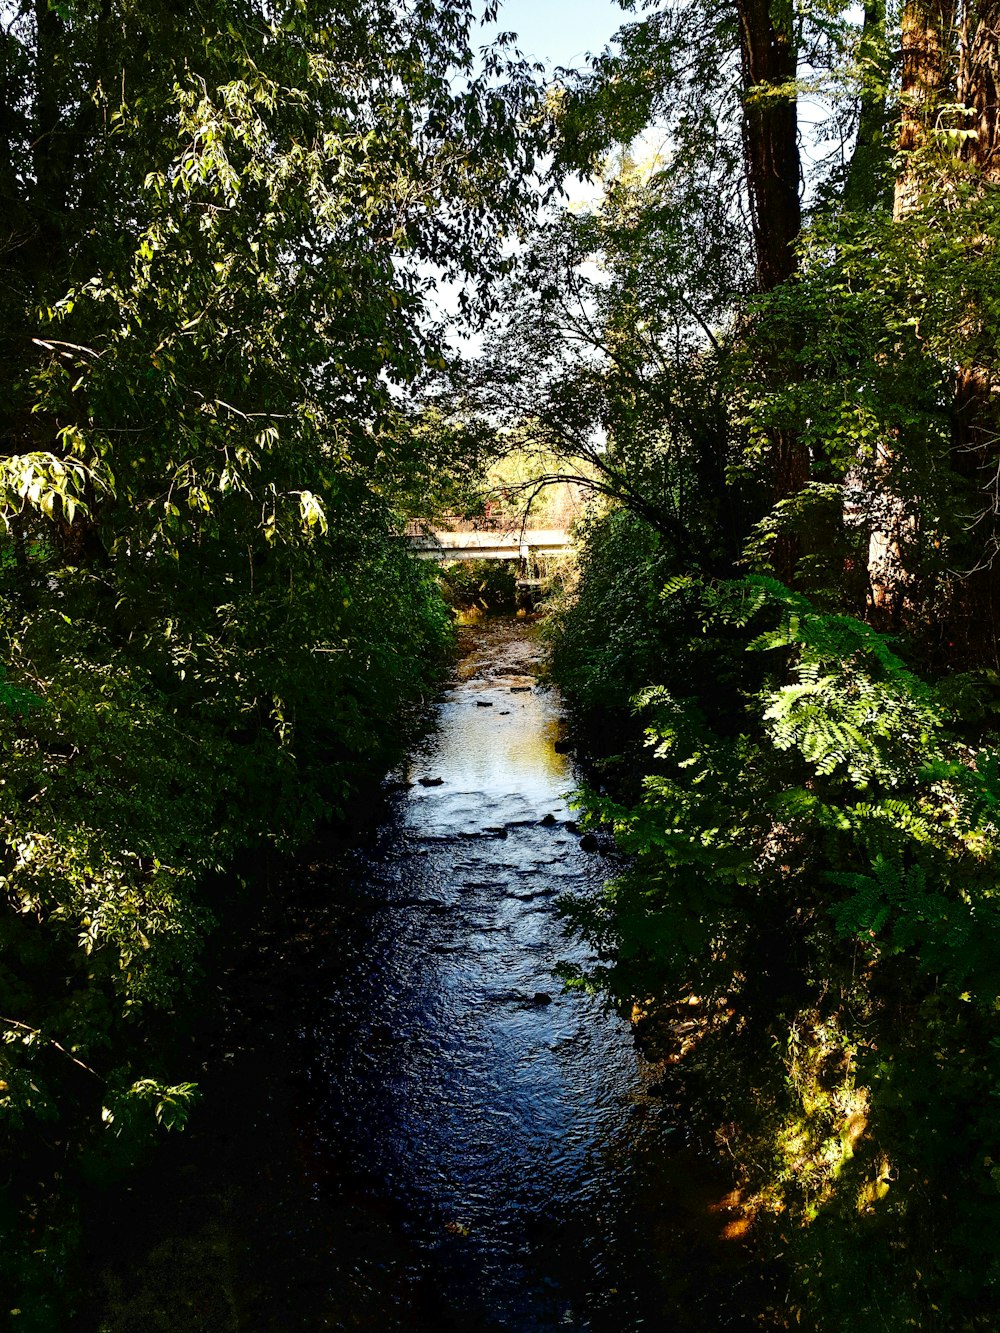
(561, 32)
(553, 32)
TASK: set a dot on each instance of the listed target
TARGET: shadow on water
(509, 1128)
(442, 1138)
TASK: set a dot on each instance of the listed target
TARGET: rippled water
(504, 1132)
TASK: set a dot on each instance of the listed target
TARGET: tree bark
(977, 413)
(769, 58)
(927, 39)
(769, 61)
(979, 85)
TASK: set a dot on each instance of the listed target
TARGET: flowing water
(408, 1126)
(507, 1129)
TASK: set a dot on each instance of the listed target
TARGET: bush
(811, 889)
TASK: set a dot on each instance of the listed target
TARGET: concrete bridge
(518, 544)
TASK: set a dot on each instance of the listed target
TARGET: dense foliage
(222, 232)
(220, 227)
(807, 932)
(790, 411)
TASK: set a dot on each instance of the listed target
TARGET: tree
(704, 70)
(809, 903)
(218, 227)
(615, 356)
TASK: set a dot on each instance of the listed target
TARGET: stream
(446, 1140)
(510, 1126)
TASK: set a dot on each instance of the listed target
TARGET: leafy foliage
(483, 585)
(834, 836)
(222, 231)
(795, 400)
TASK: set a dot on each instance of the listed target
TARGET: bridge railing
(454, 546)
(419, 527)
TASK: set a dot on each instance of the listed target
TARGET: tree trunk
(770, 134)
(927, 29)
(769, 58)
(977, 417)
(927, 38)
(979, 85)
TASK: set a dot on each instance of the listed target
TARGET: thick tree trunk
(979, 85)
(951, 58)
(977, 411)
(769, 56)
(770, 134)
(927, 38)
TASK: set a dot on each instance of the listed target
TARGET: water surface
(506, 1132)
